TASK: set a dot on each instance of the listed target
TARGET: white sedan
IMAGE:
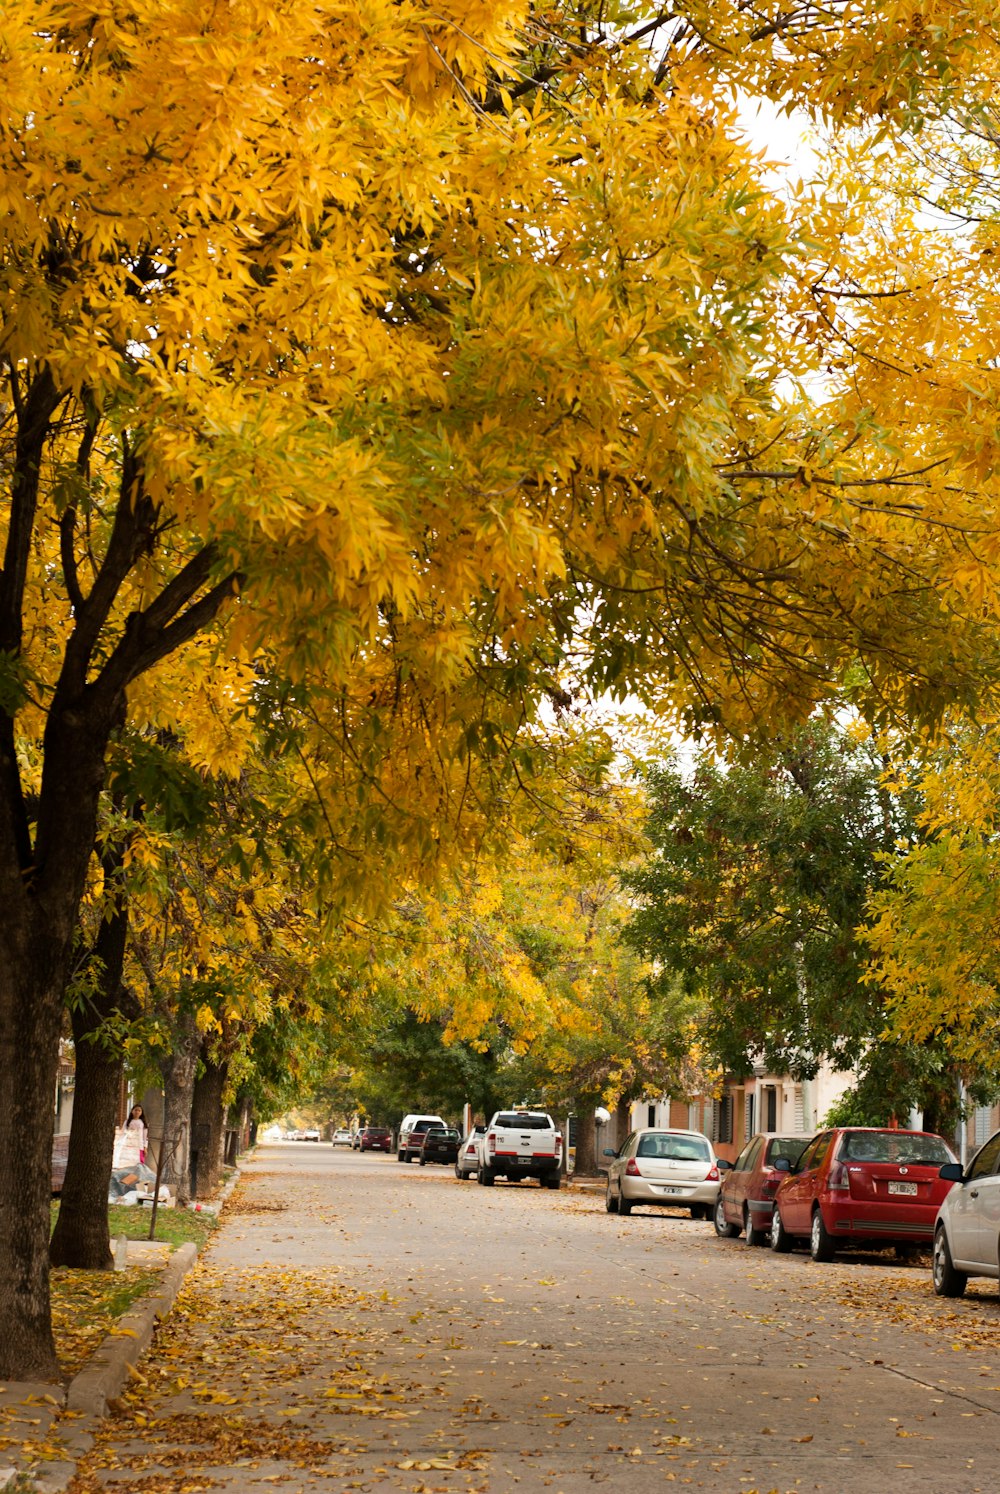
(967, 1227)
(467, 1161)
(342, 1138)
(666, 1170)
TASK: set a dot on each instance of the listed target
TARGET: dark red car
(376, 1139)
(855, 1186)
(746, 1197)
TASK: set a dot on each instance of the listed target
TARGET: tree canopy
(388, 372)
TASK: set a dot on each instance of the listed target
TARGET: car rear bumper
(526, 1167)
(870, 1224)
(668, 1195)
(762, 1210)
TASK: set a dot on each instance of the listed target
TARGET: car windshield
(894, 1146)
(789, 1147)
(524, 1122)
(441, 1133)
(674, 1148)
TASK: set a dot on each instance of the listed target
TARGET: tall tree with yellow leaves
(419, 356)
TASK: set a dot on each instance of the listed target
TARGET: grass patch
(87, 1304)
(173, 1226)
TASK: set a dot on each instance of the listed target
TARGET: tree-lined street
(360, 1325)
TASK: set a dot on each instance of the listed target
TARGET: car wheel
(552, 1181)
(400, 1157)
(624, 1204)
(486, 1177)
(821, 1244)
(752, 1235)
(947, 1281)
(781, 1240)
(610, 1202)
(423, 1161)
(723, 1228)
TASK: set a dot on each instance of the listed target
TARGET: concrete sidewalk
(45, 1429)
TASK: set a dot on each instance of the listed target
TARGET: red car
(746, 1197)
(855, 1186)
(376, 1139)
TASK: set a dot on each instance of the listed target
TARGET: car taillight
(491, 1141)
(632, 1168)
(712, 1175)
(558, 1142)
(769, 1184)
(838, 1177)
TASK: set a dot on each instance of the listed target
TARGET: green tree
(758, 881)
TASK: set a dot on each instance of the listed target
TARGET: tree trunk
(623, 1113)
(82, 1238)
(585, 1164)
(236, 1135)
(32, 975)
(178, 1070)
(208, 1115)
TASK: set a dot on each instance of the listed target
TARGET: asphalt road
(360, 1324)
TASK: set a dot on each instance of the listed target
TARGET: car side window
(629, 1140)
(984, 1164)
(808, 1157)
(822, 1147)
(747, 1160)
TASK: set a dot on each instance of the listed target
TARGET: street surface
(359, 1324)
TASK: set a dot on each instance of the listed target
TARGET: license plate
(671, 1190)
(902, 1187)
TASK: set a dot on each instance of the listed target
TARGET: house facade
(763, 1102)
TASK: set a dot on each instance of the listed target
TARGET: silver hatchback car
(664, 1169)
(967, 1228)
(467, 1161)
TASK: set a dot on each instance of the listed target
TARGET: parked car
(521, 1144)
(746, 1195)
(664, 1169)
(310, 1135)
(967, 1227)
(855, 1186)
(439, 1144)
(342, 1137)
(375, 1139)
(467, 1161)
(413, 1125)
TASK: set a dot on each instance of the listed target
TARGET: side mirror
(781, 1164)
(952, 1172)
(609, 1151)
(722, 1164)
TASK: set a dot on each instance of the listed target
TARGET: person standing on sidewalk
(137, 1123)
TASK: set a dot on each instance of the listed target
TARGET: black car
(440, 1144)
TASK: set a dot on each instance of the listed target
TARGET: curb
(103, 1378)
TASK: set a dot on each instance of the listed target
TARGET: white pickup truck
(521, 1144)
